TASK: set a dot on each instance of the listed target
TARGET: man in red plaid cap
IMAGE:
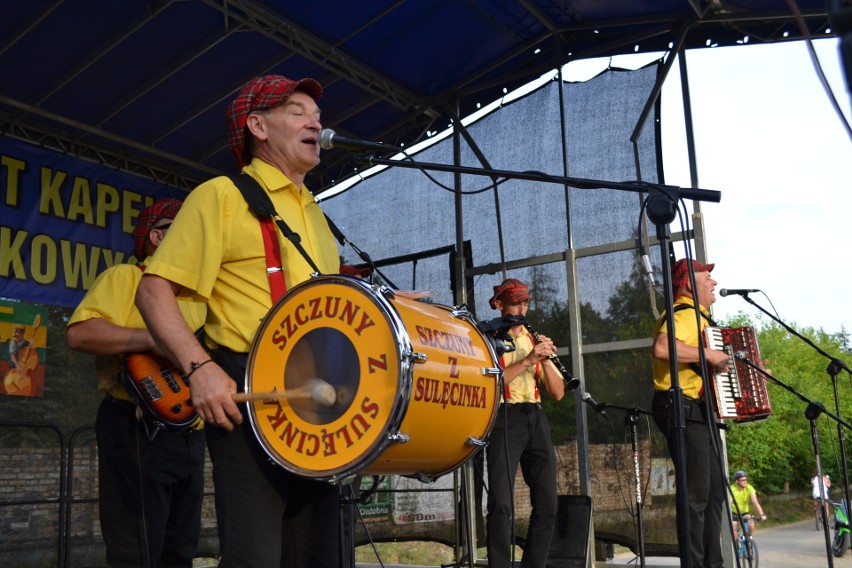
(150, 482)
(706, 484)
(521, 436)
(267, 516)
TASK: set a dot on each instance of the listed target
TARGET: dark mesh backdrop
(400, 212)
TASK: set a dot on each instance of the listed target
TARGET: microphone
(329, 139)
(646, 264)
(597, 406)
(497, 333)
(739, 292)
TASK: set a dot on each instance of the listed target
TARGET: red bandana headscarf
(511, 291)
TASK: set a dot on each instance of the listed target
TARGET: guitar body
(159, 389)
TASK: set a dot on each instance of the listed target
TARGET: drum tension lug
(345, 480)
(399, 437)
(384, 291)
(491, 371)
(425, 478)
(418, 357)
(478, 442)
(460, 312)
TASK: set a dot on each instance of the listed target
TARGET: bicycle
(821, 508)
(840, 543)
(746, 546)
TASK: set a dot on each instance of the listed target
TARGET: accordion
(740, 392)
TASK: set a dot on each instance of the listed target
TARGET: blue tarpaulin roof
(142, 84)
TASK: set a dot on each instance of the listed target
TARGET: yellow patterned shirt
(525, 386)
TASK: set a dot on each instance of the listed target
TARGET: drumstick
(317, 390)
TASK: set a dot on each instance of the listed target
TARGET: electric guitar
(160, 390)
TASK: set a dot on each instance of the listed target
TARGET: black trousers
(267, 516)
(528, 443)
(150, 490)
(705, 486)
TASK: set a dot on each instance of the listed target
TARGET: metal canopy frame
(370, 93)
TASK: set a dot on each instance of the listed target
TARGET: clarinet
(571, 382)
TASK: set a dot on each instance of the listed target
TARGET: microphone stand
(812, 412)
(582, 183)
(631, 419)
(662, 210)
(834, 367)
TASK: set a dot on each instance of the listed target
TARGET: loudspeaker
(569, 546)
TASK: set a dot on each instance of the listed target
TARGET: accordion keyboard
(740, 392)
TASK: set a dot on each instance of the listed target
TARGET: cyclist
(745, 495)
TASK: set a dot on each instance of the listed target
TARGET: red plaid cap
(161, 209)
(680, 272)
(261, 93)
(510, 291)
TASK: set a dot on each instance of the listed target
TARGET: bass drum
(415, 384)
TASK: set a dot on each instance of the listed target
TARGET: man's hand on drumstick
(212, 396)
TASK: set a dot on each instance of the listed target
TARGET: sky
(768, 138)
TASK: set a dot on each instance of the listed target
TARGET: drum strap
(262, 206)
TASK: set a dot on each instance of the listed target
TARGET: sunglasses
(163, 227)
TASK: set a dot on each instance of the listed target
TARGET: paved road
(797, 545)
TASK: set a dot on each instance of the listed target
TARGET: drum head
(338, 333)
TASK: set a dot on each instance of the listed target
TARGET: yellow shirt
(214, 249)
(685, 330)
(111, 297)
(525, 386)
(742, 497)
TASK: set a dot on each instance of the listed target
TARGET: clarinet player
(521, 436)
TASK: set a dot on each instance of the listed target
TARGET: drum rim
(399, 409)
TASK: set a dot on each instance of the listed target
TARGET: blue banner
(64, 220)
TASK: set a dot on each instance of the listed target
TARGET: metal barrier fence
(16, 482)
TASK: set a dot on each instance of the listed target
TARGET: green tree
(624, 375)
(779, 452)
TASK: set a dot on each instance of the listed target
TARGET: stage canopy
(141, 85)
(139, 89)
